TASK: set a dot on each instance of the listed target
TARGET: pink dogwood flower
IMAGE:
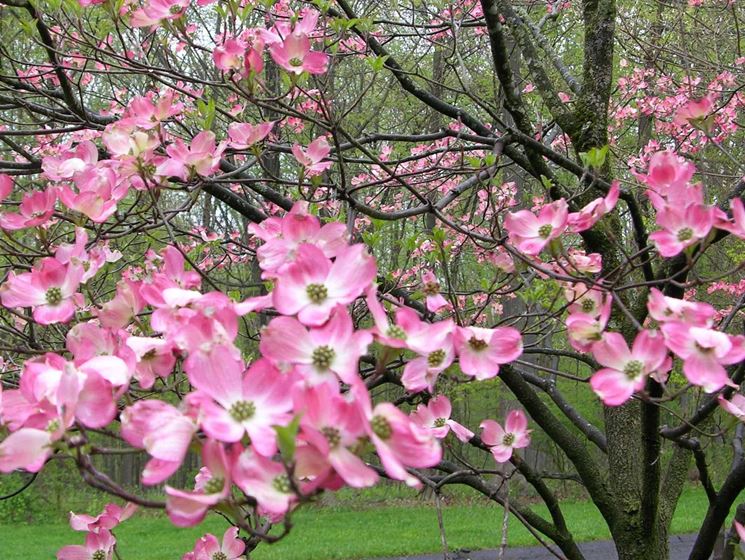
(155, 358)
(241, 403)
(266, 481)
(333, 349)
(6, 186)
(695, 112)
(310, 157)
(530, 233)
(109, 518)
(503, 441)
(625, 370)
(735, 406)
(704, 353)
(585, 329)
(209, 548)
(662, 309)
(436, 353)
(98, 546)
(431, 288)
(736, 226)
(313, 286)
(682, 228)
(201, 157)
(71, 161)
(163, 431)
(50, 289)
(294, 55)
(594, 211)
(155, 11)
(284, 236)
(435, 415)
(407, 331)
(36, 209)
(244, 135)
(213, 483)
(332, 425)
(481, 351)
(229, 55)
(398, 440)
(667, 171)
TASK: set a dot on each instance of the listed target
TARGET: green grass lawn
(337, 532)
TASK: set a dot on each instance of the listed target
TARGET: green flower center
(219, 556)
(440, 422)
(98, 555)
(332, 435)
(317, 293)
(476, 343)
(53, 426)
(282, 484)
(323, 356)
(149, 355)
(54, 296)
(214, 485)
(394, 331)
(431, 289)
(588, 305)
(508, 439)
(633, 369)
(436, 358)
(175, 9)
(381, 427)
(296, 62)
(685, 234)
(545, 230)
(242, 411)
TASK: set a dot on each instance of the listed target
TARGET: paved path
(680, 547)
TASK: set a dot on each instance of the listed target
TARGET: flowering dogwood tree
(231, 226)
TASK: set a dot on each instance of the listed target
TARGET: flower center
(317, 293)
(431, 289)
(703, 349)
(332, 435)
(282, 484)
(296, 62)
(175, 9)
(219, 555)
(685, 234)
(436, 358)
(99, 555)
(54, 296)
(545, 230)
(508, 439)
(588, 305)
(53, 426)
(394, 331)
(633, 369)
(242, 411)
(214, 485)
(323, 356)
(440, 422)
(149, 355)
(476, 343)
(381, 427)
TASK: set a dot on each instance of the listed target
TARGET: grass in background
(338, 531)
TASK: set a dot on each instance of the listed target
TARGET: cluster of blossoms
(289, 44)
(684, 328)
(307, 375)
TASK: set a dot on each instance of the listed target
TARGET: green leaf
(595, 158)
(287, 438)
(376, 62)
